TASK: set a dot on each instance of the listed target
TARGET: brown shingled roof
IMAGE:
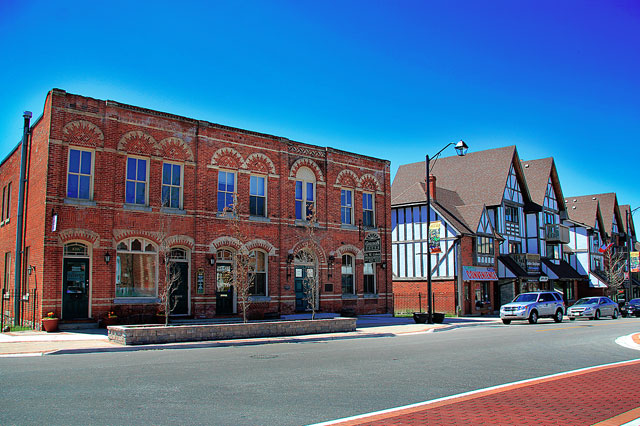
(608, 208)
(537, 173)
(585, 210)
(624, 211)
(464, 185)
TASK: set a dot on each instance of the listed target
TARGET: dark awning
(516, 269)
(563, 270)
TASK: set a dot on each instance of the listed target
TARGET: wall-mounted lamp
(289, 262)
(383, 265)
(107, 257)
(212, 260)
(330, 263)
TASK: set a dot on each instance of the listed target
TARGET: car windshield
(635, 301)
(526, 298)
(587, 302)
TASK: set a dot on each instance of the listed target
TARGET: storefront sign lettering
(476, 273)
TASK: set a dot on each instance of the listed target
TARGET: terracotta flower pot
(50, 324)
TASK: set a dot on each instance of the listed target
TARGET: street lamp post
(629, 248)
(461, 149)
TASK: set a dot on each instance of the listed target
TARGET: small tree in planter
(243, 278)
(311, 284)
(167, 292)
(614, 267)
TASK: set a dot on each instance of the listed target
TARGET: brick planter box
(149, 334)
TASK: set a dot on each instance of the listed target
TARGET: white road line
(433, 401)
(627, 342)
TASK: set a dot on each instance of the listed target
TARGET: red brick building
(110, 185)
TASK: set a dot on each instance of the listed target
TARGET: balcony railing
(556, 233)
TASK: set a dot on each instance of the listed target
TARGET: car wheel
(506, 321)
(615, 314)
(533, 317)
(558, 316)
(597, 317)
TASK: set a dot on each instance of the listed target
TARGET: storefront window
(136, 269)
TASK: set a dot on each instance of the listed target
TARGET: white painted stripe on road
(627, 342)
(460, 395)
(21, 355)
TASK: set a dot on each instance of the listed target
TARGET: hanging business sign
(200, 281)
(478, 273)
(372, 248)
(635, 261)
(434, 237)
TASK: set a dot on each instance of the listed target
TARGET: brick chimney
(432, 187)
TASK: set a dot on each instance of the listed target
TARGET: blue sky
(390, 79)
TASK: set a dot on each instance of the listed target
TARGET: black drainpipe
(20, 216)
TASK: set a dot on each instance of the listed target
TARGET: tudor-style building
(546, 234)
(111, 186)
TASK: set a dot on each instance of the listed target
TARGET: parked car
(533, 305)
(593, 308)
(631, 308)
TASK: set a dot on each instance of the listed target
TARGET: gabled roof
(608, 208)
(585, 210)
(537, 173)
(464, 185)
(625, 211)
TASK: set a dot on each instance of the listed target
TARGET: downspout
(18, 261)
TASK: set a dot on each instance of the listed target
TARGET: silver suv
(534, 305)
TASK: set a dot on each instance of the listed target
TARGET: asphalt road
(295, 383)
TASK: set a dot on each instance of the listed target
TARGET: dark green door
(224, 290)
(301, 274)
(180, 298)
(75, 289)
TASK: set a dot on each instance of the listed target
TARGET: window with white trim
(305, 193)
(136, 268)
(226, 190)
(7, 270)
(346, 206)
(257, 196)
(80, 174)
(6, 204)
(258, 269)
(485, 249)
(368, 273)
(347, 274)
(368, 217)
(137, 179)
(172, 185)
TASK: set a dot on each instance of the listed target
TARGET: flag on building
(434, 237)
(635, 261)
(604, 247)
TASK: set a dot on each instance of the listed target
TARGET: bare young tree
(167, 293)
(311, 283)
(614, 267)
(243, 278)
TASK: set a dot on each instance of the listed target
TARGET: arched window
(347, 274)
(136, 268)
(76, 249)
(305, 193)
(258, 270)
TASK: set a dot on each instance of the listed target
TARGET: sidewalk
(37, 343)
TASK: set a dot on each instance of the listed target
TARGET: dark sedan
(631, 308)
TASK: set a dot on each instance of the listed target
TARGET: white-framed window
(368, 216)
(80, 173)
(258, 268)
(257, 196)
(346, 206)
(7, 270)
(137, 181)
(305, 193)
(172, 183)
(369, 275)
(136, 268)
(226, 190)
(6, 204)
(485, 249)
(347, 274)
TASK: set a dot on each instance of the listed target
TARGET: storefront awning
(479, 273)
(516, 269)
(561, 270)
(596, 282)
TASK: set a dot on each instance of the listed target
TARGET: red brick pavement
(608, 395)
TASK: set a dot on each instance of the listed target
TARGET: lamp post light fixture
(107, 257)
(461, 149)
